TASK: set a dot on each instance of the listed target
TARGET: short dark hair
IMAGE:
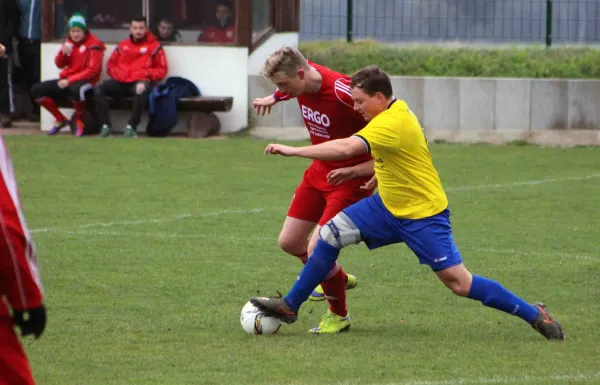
(224, 3)
(372, 80)
(139, 19)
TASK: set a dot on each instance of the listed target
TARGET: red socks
(79, 109)
(302, 257)
(334, 287)
(51, 107)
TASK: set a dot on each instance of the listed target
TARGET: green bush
(533, 62)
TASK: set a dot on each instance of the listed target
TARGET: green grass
(136, 301)
(432, 60)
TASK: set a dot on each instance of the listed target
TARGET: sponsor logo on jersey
(316, 117)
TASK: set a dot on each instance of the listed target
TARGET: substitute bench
(201, 121)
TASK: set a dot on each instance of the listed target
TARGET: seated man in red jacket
(134, 65)
(223, 31)
(80, 59)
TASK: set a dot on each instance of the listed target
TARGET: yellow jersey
(409, 185)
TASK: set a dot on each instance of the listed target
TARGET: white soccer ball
(254, 321)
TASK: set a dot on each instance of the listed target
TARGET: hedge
(532, 62)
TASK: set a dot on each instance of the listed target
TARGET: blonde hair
(285, 61)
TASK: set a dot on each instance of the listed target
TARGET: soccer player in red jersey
(20, 287)
(327, 187)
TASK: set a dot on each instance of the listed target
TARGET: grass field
(149, 249)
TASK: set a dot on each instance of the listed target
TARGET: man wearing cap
(80, 60)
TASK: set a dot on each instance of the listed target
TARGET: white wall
(217, 71)
(278, 40)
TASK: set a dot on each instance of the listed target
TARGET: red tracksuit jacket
(137, 61)
(84, 62)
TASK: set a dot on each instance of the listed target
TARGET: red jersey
(84, 62)
(215, 34)
(329, 114)
(134, 61)
(20, 284)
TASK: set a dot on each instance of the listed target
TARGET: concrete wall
(477, 109)
(260, 54)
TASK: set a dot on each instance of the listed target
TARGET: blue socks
(487, 291)
(316, 269)
(494, 295)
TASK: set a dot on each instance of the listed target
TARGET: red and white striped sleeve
(20, 282)
(342, 91)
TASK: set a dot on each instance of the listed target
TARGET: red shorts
(14, 367)
(315, 205)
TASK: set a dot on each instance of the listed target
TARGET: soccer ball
(254, 321)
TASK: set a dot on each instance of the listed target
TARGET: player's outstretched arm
(338, 149)
(340, 175)
(2, 50)
(263, 105)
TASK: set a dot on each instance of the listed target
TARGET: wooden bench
(201, 122)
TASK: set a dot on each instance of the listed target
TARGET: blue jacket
(163, 104)
(31, 19)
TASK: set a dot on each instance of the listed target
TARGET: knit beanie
(77, 20)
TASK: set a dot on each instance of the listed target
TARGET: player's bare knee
(456, 278)
(291, 245)
(340, 232)
(458, 286)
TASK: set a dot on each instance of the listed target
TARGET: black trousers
(114, 89)
(30, 57)
(7, 104)
(78, 91)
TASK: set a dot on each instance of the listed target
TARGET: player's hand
(63, 83)
(31, 321)
(2, 50)
(67, 48)
(371, 184)
(340, 175)
(280, 149)
(140, 88)
(263, 105)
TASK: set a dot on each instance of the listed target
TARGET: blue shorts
(429, 238)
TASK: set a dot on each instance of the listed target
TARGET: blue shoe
(59, 126)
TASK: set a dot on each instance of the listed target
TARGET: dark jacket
(30, 10)
(9, 22)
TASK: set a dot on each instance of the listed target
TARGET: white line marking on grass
(163, 235)
(259, 210)
(171, 235)
(523, 183)
(151, 220)
(577, 377)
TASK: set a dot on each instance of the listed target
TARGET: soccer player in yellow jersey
(411, 207)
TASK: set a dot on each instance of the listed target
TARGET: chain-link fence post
(548, 23)
(349, 12)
